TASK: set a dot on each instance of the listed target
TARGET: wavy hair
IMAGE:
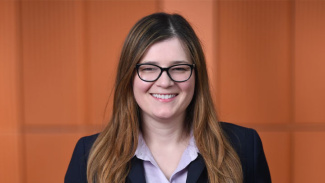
(109, 157)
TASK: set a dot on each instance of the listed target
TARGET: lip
(164, 97)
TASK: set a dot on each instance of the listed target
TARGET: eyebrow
(172, 63)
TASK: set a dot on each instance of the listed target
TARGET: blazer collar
(136, 174)
(195, 170)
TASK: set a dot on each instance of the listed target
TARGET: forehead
(166, 51)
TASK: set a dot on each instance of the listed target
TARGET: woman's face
(164, 99)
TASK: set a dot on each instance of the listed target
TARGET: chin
(164, 115)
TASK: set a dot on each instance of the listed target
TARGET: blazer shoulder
(238, 135)
(77, 169)
(248, 145)
(88, 141)
(84, 145)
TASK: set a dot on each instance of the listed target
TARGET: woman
(164, 127)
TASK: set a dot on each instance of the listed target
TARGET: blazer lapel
(136, 174)
(197, 171)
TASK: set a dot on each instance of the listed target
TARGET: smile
(163, 96)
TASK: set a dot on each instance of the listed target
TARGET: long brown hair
(109, 158)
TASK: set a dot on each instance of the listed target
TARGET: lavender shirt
(153, 173)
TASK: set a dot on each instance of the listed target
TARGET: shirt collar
(143, 152)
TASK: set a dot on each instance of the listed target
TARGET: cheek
(188, 87)
(138, 84)
(191, 84)
(140, 88)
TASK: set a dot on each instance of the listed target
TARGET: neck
(164, 132)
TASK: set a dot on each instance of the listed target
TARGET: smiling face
(164, 99)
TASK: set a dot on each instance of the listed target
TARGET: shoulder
(87, 141)
(77, 169)
(249, 148)
(233, 128)
(238, 135)
(84, 145)
(242, 139)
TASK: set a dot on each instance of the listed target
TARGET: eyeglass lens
(178, 73)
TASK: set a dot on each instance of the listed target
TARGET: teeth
(160, 96)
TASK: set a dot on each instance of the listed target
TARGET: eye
(148, 68)
(180, 68)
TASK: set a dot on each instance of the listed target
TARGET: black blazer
(245, 141)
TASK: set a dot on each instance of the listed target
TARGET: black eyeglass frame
(162, 69)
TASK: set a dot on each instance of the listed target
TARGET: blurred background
(58, 58)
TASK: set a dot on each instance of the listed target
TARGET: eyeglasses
(152, 72)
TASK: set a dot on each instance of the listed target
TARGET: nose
(164, 80)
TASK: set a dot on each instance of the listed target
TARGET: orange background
(266, 60)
